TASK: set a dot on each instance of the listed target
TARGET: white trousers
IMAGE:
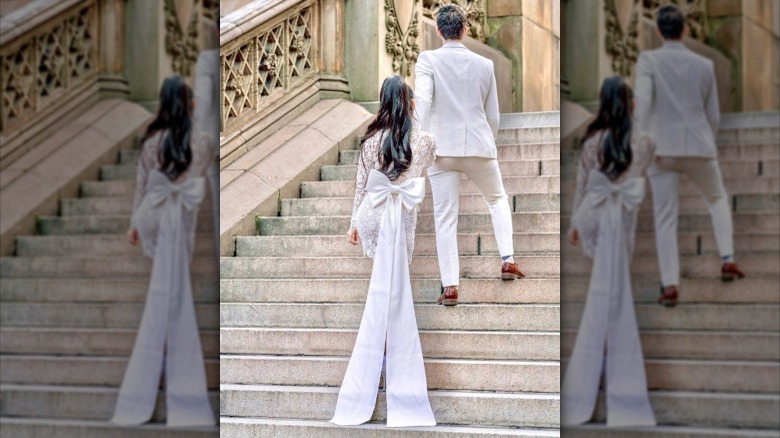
(664, 176)
(444, 174)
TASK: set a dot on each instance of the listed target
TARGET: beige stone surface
(503, 8)
(256, 187)
(538, 68)
(540, 12)
(720, 8)
(759, 68)
(762, 13)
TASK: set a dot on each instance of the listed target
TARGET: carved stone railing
(46, 58)
(265, 55)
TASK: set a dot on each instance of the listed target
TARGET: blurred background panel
(713, 363)
(80, 83)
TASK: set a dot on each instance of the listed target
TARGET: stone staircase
(293, 295)
(72, 297)
(713, 362)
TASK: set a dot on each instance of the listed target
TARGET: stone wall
(528, 33)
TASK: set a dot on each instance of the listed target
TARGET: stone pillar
(333, 82)
(149, 58)
(748, 33)
(528, 33)
(368, 62)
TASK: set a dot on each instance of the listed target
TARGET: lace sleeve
(645, 153)
(586, 162)
(366, 160)
(146, 161)
(430, 150)
(201, 154)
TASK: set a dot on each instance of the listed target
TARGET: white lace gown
(165, 214)
(605, 214)
(385, 214)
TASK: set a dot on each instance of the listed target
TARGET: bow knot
(379, 188)
(629, 193)
(160, 188)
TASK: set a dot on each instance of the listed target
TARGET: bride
(389, 189)
(169, 189)
(610, 187)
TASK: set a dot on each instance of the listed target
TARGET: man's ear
(438, 32)
(465, 32)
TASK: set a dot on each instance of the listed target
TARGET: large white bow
(160, 188)
(388, 320)
(379, 189)
(608, 321)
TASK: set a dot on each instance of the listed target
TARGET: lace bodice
(366, 218)
(584, 217)
(149, 160)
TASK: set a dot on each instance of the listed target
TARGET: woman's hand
(132, 236)
(352, 236)
(574, 237)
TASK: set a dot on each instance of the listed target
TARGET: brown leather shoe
(668, 296)
(510, 271)
(729, 271)
(449, 297)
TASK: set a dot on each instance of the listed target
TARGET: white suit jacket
(677, 101)
(456, 101)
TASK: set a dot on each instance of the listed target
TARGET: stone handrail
(48, 50)
(267, 49)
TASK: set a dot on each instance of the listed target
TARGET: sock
(727, 259)
(508, 258)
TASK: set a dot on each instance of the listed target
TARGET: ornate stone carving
(476, 11)
(695, 15)
(183, 47)
(621, 45)
(47, 62)
(267, 62)
(210, 9)
(400, 44)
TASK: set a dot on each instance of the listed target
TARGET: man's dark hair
(451, 19)
(671, 21)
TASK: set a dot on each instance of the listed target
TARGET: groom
(677, 103)
(457, 101)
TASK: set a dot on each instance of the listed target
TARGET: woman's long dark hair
(394, 115)
(614, 117)
(174, 116)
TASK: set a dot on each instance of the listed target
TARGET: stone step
(96, 245)
(446, 374)
(545, 149)
(436, 344)
(763, 151)
(737, 376)
(468, 203)
(341, 290)
(549, 167)
(529, 134)
(98, 371)
(128, 266)
(132, 289)
(424, 244)
(735, 186)
(739, 168)
(107, 188)
(244, 427)
(500, 409)
(706, 409)
(109, 206)
(49, 427)
(84, 341)
(752, 221)
(482, 317)
(48, 225)
(88, 315)
(129, 156)
(71, 402)
(467, 223)
(703, 242)
(757, 265)
(697, 204)
(692, 344)
(718, 317)
(599, 430)
(114, 172)
(513, 185)
(357, 267)
(692, 290)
